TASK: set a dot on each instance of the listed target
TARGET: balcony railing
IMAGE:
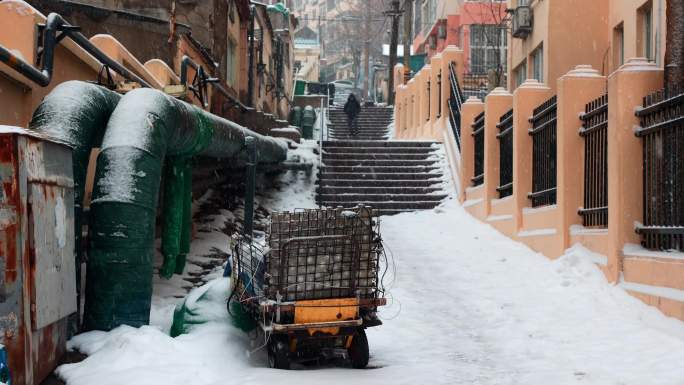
(478, 137)
(595, 133)
(543, 134)
(662, 133)
(505, 137)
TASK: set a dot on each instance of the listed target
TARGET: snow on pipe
(146, 128)
(76, 113)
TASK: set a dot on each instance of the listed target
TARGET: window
(487, 47)
(520, 73)
(538, 64)
(618, 46)
(429, 13)
(231, 63)
(645, 28)
(331, 5)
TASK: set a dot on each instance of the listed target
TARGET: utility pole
(394, 13)
(366, 49)
(408, 23)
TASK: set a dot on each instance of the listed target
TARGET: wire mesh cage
(312, 254)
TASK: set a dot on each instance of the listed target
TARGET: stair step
(378, 163)
(386, 205)
(379, 150)
(378, 176)
(381, 197)
(370, 143)
(366, 170)
(377, 190)
(387, 183)
(370, 156)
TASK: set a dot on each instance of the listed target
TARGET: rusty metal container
(37, 254)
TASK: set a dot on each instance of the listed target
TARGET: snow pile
(293, 189)
(468, 306)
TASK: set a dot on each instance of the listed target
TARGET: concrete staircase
(390, 176)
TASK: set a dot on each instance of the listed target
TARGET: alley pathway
(468, 306)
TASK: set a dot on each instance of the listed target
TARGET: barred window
(487, 47)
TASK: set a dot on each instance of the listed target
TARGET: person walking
(352, 108)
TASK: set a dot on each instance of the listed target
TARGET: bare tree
(495, 22)
(348, 31)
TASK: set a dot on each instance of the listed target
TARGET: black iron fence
(505, 137)
(478, 137)
(662, 133)
(455, 101)
(595, 133)
(543, 134)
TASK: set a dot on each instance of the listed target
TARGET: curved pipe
(75, 113)
(146, 128)
(55, 23)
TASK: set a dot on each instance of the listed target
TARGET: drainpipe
(146, 128)
(250, 70)
(55, 23)
(76, 113)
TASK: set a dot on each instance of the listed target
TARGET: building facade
(574, 154)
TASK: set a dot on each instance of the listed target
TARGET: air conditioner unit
(522, 21)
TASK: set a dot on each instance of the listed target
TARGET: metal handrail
(55, 23)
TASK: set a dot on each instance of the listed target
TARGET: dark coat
(352, 107)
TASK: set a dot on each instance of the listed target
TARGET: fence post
(425, 122)
(471, 108)
(575, 89)
(626, 88)
(526, 98)
(496, 104)
(398, 110)
(410, 107)
(435, 101)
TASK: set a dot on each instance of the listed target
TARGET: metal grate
(505, 137)
(662, 133)
(455, 101)
(478, 137)
(595, 133)
(543, 134)
(313, 254)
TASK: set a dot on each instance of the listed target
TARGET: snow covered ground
(468, 306)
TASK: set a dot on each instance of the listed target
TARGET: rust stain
(15, 342)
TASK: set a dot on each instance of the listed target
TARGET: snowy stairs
(390, 176)
(373, 122)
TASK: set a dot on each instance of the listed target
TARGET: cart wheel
(358, 351)
(278, 350)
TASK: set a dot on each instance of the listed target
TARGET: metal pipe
(43, 76)
(204, 79)
(250, 187)
(76, 113)
(250, 70)
(146, 127)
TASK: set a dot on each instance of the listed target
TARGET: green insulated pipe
(176, 207)
(76, 113)
(146, 129)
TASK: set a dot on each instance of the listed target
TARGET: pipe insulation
(146, 128)
(75, 113)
